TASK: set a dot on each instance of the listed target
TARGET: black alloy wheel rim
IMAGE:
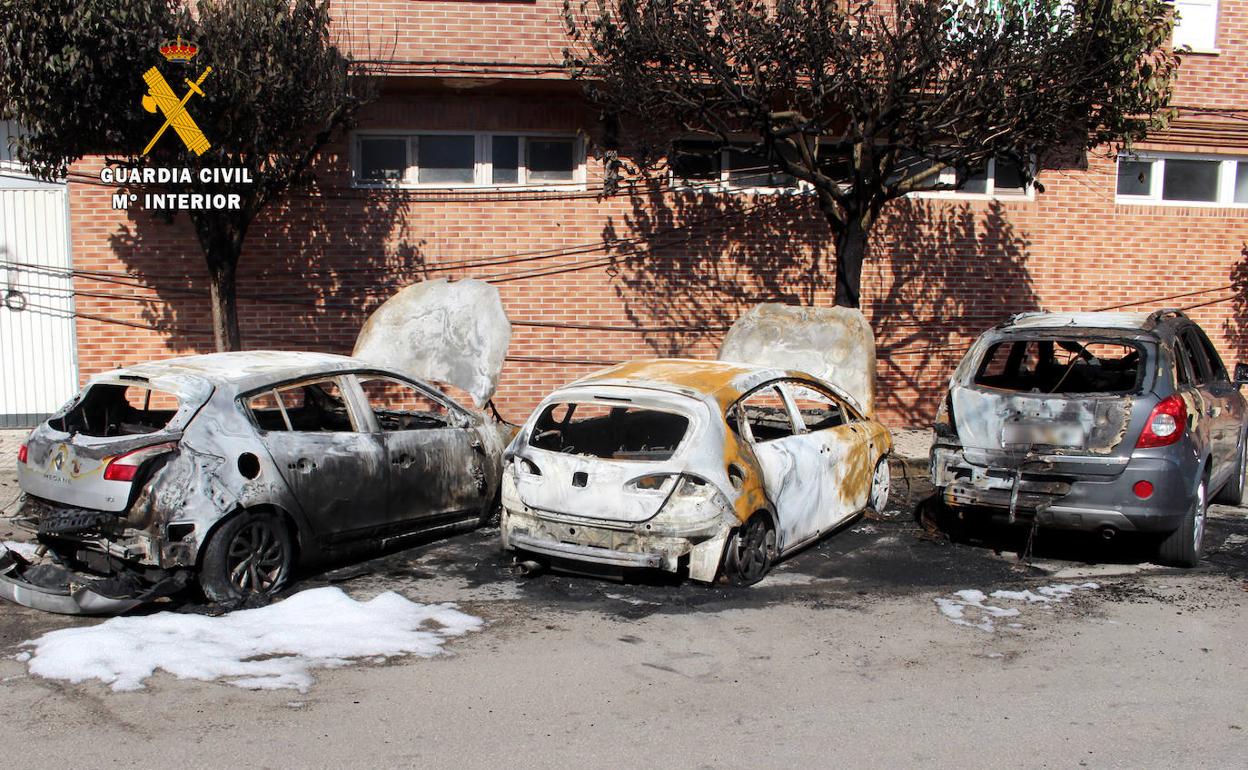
(754, 551)
(256, 558)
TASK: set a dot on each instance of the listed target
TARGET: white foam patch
(268, 648)
(631, 599)
(968, 608)
(788, 579)
(25, 550)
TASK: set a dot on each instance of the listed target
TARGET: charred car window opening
(1057, 365)
(819, 411)
(306, 407)
(401, 406)
(767, 414)
(609, 431)
(119, 410)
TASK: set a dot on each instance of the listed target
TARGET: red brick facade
(590, 280)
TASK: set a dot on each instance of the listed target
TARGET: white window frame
(949, 176)
(1226, 180)
(946, 176)
(483, 166)
(723, 183)
(1207, 38)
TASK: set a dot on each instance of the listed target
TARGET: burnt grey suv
(1106, 422)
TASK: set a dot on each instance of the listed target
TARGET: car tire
(1232, 493)
(251, 555)
(1184, 546)
(881, 482)
(750, 552)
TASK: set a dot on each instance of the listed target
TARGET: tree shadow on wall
(1236, 327)
(938, 274)
(943, 274)
(312, 269)
(685, 265)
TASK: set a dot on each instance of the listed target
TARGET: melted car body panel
(999, 426)
(835, 344)
(424, 331)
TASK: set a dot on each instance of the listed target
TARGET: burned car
(1105, 422)
(704, 468)
(229, 469)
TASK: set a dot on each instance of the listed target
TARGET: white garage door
(38, 357)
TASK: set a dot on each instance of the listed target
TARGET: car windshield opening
(1061, 365)
(609, 431)
(107, 410)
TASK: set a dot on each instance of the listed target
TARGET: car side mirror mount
(1241, 374)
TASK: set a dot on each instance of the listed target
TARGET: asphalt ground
(840, 656)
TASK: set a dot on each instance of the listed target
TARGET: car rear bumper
(611, 544)
(1066, 500)
(596, 555)
(52, 588)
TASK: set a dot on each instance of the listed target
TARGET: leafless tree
(867, 102)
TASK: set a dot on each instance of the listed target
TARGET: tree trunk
(851, 249)
(224, 302)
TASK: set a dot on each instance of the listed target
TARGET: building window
(1196, 24)
(382, 159)
(446, 159)
(698, 163)
(736, 167)
(450, 159)
(1188, 180)
(998, 178)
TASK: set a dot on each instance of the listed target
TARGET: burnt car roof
(1160, 323)
(721, 381)
(1118, 321)
(241, 370)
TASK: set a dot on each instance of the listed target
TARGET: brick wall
(590, 280)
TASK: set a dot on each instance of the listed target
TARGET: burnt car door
(1219, 401)
(334, 466)
(793, 465)
(435, 455)
(844, 446)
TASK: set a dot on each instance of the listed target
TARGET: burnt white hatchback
(705, 469)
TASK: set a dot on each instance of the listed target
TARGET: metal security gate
(38, 354)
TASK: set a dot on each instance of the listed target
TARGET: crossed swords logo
(160, 96)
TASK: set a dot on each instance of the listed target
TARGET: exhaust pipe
(1108, 533)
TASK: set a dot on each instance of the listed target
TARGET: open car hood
(834, 344)
(450, 331)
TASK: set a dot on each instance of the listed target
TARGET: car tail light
(1165, 424)
(945, 425)
(22, 453)
(525, 466)
(125, 467)
(655, 482)
(1143, 489)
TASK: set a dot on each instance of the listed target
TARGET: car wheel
(881, 480)
(250, 555)
(1184, 546)
(1233, 492)
(750, 551)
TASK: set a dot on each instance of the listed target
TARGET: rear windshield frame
(1147, 362)
(96, 391)
(627, 403)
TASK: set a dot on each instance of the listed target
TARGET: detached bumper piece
(587, 553)
(53, 588)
